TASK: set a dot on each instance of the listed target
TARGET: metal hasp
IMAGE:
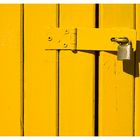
(124, 48)
(93, 39)
(60, 38)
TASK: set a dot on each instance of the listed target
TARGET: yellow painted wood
(137, 74)
(40, 71)
(116, 80)
(76, 73)
(10, 71)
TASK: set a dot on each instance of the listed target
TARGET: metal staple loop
(120, 40)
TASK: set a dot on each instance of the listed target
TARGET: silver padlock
(124, 51)
(124, 48)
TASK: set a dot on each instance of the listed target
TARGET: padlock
(124, 48)
(124, 51)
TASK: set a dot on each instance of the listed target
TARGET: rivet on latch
(66, 32)
(124, 48)
(49, 38)
(65, 45)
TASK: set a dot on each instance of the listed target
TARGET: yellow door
(60, 75)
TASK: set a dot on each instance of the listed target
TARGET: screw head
(65, 45)
(66, 32)
(49, 38)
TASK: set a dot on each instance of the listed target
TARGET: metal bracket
(60, 38)
(87, 38)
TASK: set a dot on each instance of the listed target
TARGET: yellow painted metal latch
(96, 39)
(59, 39)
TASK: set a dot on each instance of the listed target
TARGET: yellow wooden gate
(60, 75)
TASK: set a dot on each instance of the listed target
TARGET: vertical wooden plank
(116, 78)
(137, 74)
(40, 71)
(10, 71)
(76, 91)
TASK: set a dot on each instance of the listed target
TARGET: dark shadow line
(96, 75)
(58, 67)
(134, 94)
(58, 96)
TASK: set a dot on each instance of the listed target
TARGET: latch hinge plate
(60, 38)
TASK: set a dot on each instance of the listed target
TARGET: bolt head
(49, 38)
(65, 45)
(66, 32)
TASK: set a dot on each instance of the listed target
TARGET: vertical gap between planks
(58, 63)
(22, 70)
(96, 75)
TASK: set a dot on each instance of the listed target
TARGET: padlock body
(124, 52)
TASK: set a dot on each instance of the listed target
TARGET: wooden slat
(116, 78)
(10, 71)
(137, 73)
(40, 71)
(76, 72)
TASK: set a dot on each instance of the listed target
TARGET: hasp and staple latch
(94, 39)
